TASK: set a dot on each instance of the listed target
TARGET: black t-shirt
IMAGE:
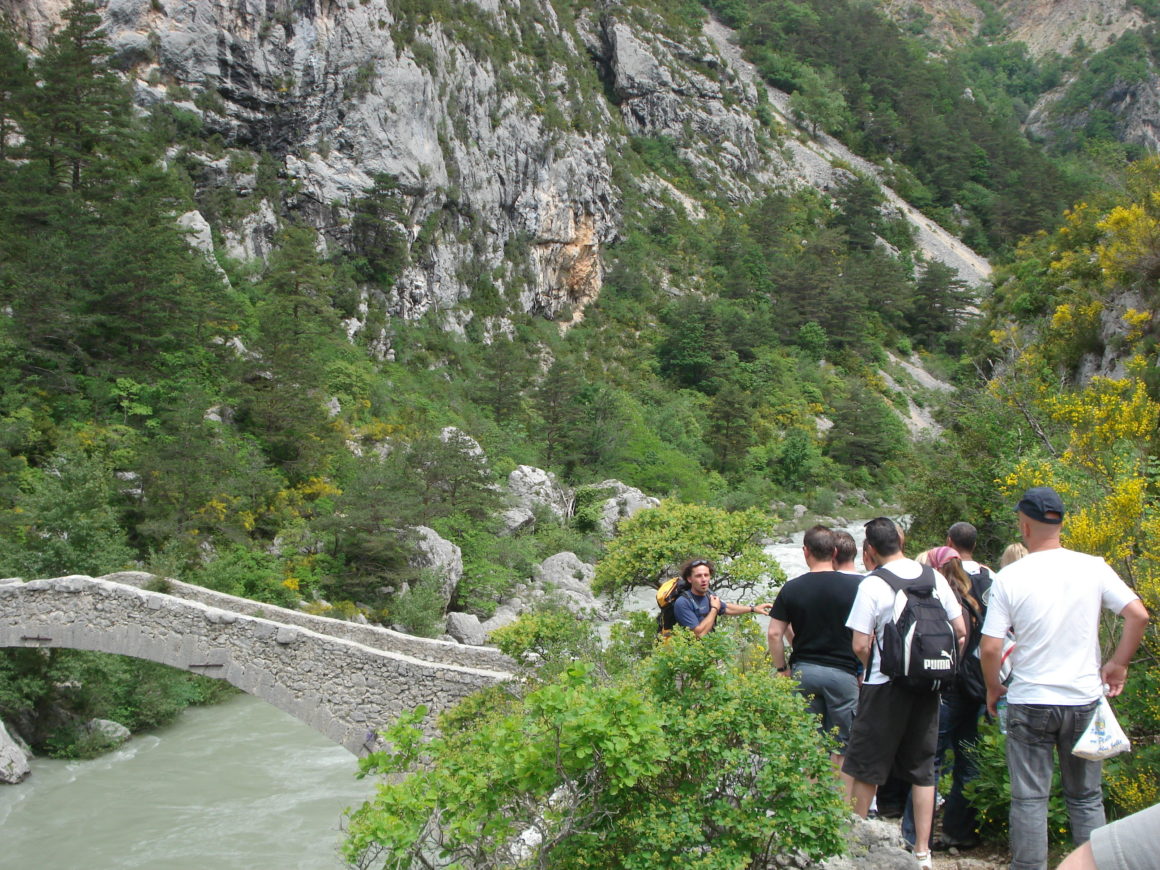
(817, 604)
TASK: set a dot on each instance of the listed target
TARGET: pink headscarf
(939, 556)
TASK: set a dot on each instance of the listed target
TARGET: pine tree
(81, 113)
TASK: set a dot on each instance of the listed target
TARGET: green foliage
(64, 522)
(78, 686)
(652, 545)
(238, 570)
(548, 640)
(898, 102)
(687, 762)
(990, 792)
(419, 609)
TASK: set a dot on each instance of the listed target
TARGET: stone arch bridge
(343, 679)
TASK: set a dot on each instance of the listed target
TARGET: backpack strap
(926, 578)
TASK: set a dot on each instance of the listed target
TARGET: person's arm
(775, 640)
(861, 646)
(706, 625)
(732, 609)
(991, 655)
(1115, 670)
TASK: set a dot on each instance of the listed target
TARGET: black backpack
(971, 683)
(918, 645)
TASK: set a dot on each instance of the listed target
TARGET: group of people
(833, 619)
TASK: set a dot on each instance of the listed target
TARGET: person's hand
(763, 608)
(993, 696)
(1114, 676)
(715, 603)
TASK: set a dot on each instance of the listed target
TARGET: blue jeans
(958, 729)
(1034, 732)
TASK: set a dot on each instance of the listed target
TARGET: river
(235, 786)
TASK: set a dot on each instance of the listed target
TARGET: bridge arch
(346, 689)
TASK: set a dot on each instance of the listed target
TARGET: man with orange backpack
(695, 607)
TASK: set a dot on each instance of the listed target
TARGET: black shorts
(894, 731)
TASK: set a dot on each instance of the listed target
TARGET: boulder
(566, 571)
(113, 733)
(14, 758)
(873, 844)
(624, 501)
(531, 487)
(516, 519)
(466, 628)
(504, 615)
(566, 579)
(444, 559)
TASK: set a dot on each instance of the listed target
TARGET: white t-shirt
(1051, 600)
(874, 607)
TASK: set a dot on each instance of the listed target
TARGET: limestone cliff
(498, 121)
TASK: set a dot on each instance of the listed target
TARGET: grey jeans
(1034, 732)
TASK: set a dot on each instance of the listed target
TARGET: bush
(990, 792)
(696, 758)
(419, 610)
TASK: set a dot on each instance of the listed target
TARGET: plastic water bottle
(1001, 714)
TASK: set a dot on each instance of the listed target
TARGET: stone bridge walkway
(345, 680)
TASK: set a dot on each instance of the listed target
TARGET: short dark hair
(820, 542)
(882, 534)
(963, 536)
(687, 568)
(846, 549)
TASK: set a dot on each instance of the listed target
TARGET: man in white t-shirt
(1051, 599)
(895, 729)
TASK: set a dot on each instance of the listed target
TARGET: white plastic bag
(1103, 737)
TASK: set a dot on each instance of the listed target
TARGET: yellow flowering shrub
(1107, 411)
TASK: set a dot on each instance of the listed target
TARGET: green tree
(940, 301)
(80, 115)
(652, 544)
(67, 522)
(818, 101)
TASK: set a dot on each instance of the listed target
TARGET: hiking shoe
(924, 860)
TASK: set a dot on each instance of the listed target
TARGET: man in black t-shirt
(814, 607)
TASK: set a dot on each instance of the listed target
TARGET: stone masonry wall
(375, 636)
(344, 689)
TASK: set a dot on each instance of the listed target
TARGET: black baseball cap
(1039, 503)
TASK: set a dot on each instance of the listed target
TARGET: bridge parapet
(429, 649)
(344, 689)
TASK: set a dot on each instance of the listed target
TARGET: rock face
(492, 129)
(14, 759)
(1044, 25)
(1135, 105)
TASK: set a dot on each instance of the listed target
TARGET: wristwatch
(784, 669)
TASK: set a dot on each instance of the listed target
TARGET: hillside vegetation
(265, 427)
